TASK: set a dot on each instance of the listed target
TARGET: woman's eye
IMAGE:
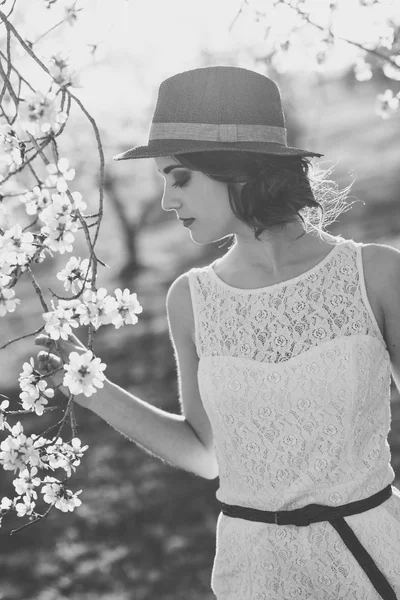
(180, 183)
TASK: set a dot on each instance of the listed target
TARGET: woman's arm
(389, 277)
(184, 440)
(164, 435)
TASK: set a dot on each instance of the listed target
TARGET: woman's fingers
(65, 347)
(43, 340)
(48, 361)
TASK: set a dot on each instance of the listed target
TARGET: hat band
(217, 132)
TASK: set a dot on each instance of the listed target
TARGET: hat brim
(170, 147)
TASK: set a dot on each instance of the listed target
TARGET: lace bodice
(295, 380)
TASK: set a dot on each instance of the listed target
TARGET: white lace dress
(295, 379)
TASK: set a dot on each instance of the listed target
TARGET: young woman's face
(192, 194)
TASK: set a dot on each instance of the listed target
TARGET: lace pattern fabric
(295, 379)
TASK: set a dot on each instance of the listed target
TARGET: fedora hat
(217, 108)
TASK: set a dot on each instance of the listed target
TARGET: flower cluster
(57, 210)
(61, 72)
(36, 200)
(34, 394)
(27, 455)
(12, 150)
(75, 272)
(8, 301)
(59, 174)
(39, 114)
(84, 373)
(71, 14)
(16, 249)
(96, 308)
(387, 104)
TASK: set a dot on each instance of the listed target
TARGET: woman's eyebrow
(170, 168)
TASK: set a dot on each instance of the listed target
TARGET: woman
(282, 354)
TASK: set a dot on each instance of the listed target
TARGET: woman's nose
(168, 202)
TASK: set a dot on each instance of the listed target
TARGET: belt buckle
(276, 517)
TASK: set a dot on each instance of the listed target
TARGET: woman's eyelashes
(181, 183)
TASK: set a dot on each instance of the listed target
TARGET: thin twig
(101, 154)
(30, 411)
(51, 427)
(11, 9)
(33, 521)
(238, 14)
(38, 289)
(30, 159)
(7, 83)
(66, 414)
(306, 17)
(49, 31)
(22, 337)
(19, 75)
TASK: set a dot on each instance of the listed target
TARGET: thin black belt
(314, 513)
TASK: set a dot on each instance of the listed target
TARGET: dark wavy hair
(278, 190)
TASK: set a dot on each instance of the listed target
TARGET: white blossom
(36, 397)
(78, 203)
(392, 71)
(55, 455)
(16, 246)
(62, 207)
(59, 174)
(12, 456)
(39, 114)
(8, 302)
(54, 492)
(71, 14)
(41, 446)
(36, 200)
(11, 147)
(62, 73)
(77, 451)
(74, 273)
(6, 503)
(84, 373)
(4, 279)
(25, 507)
(34, 393)
(60, 234)
(126, 309)
(3, 423)
(28, 376)
(362, 70)
(61, 320)
(26, 482)
(387, 104)
(64, 455)
(18, 450)
(96, 308)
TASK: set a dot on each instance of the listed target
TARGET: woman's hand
(50, 359)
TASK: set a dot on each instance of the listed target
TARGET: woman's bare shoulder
(179, 297)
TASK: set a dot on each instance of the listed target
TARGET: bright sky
(149, 40)
(172, 31)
